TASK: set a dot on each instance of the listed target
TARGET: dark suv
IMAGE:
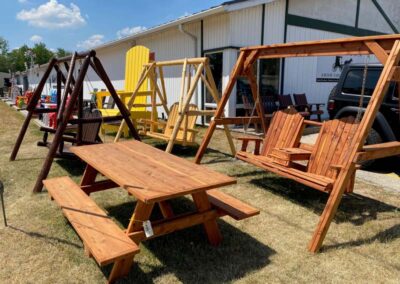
(344, 100)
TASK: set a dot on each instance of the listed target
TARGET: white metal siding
(371, 19)
(216, 31)
(336, 11)
(245, 26)
(274, 22)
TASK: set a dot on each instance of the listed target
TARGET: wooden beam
(341, 46)
(378, 151)
(198, 60)
(378, 51)
(175, 224)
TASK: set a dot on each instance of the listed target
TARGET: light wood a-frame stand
(74, 90)
(202, 73)
(385, 48)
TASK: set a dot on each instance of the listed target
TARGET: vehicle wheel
(373, 138)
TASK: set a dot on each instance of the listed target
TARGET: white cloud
(130, 31)
(36, 38)
(91, 42)
(22, 1)
(53, 15)
(186, 14)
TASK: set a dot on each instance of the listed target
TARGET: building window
(269, 76)
(268, 84)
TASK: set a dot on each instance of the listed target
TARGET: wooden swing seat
(323, 163)
(165, 128)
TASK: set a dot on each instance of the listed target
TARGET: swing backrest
(90, 131)
(284, 131)
(332, 147)
(136, 57)
(285, 101)
(173, 119)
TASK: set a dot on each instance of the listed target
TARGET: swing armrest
(245, 143)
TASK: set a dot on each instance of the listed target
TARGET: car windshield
(354, 80)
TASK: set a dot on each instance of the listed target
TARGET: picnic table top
(148, 173)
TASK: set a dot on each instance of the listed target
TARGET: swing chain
(361, 103)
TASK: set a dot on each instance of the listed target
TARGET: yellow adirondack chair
(136, 57)
(165, 128)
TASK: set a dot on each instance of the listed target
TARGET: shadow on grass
(385, 236)
(49, 239)
(353, 208)
(74, 167)
(187, 255)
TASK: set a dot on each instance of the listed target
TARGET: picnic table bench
(153, 177)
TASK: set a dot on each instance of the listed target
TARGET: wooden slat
(317, 182)
(104, 239)
(233, 207)
(378, 151)
(159, 175)
(378, 51)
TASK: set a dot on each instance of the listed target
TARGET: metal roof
(226, 6)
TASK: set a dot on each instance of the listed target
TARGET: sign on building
(329, 68)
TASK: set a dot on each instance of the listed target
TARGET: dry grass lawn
(40, 246)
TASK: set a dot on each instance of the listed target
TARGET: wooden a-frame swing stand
(385, 48)
(155, 72)
(73, 88)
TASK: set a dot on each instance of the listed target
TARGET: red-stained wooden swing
(332, 161)
(73, 92)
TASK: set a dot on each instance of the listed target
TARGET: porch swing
(282, 149)
(331, 163)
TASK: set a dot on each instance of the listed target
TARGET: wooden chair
(186, 134)
(90, 134)
(136, 57)
(285, 101)
(301, 101)
(324, 161)
(284, 131)
(269, 104)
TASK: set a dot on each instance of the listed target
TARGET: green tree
(62, 53)
(42, 54)
(4, 62)
(17, 58)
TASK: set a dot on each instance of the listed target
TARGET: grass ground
(39, 246)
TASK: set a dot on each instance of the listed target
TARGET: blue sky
(80, 24)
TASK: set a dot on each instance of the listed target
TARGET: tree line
(20, 59)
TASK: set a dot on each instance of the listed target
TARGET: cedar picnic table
(153, 177)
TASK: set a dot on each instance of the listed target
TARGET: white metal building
(220, 31)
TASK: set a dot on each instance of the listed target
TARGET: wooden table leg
(89, 176)
(166, 209)
(142, 213)
(120, 269)
(211, 227)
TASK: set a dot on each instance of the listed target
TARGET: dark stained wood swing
(332, 161)
(74, 90)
